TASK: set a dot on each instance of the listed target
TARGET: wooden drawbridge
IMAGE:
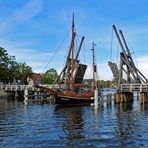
(134, 80)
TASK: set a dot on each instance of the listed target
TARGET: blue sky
(32, 30)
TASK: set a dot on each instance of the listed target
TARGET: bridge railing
(54, 86)
(29, 87)
(15, 87)
(134, 87)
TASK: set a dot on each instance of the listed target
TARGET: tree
(10, 69)
(4, 64)
(104, 83)
(22, 71)
(50, 76)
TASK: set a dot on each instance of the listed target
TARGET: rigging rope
(56, 51)
(134, 55)
(76, 44)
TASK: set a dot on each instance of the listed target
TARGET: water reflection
(95, 116)
(127, 107)
(73, 122)
(127, 125)
(145, 106)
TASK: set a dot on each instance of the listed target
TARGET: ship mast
(93, 65)
(72, 60)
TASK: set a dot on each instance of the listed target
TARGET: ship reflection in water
(48, 125)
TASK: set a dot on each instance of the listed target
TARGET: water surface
(48, 125)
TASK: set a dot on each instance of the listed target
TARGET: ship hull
(67, 100)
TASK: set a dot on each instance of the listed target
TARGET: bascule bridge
(133, 80)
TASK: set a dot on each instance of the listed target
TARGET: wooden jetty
(27, 92)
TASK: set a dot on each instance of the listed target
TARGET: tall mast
(72, 60)
(93, 64)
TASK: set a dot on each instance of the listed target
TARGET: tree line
(10, 69)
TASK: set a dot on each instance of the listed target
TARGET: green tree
(10, 69)
(104, 83)
(50, 76)
(22, 71)
(4, 64)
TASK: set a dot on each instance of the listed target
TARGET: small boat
(75, 92)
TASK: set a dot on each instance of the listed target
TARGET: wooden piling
(16, 95)
(124, 98)
(96, 99)
(141, 98)
(35, 94)
(127, 97)
(117, 98)
(101, 101)
(109, 96)
(141, 107)
(26, 95)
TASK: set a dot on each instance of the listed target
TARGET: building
(37, 78)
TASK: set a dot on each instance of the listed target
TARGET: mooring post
(141, 98)
(102, 100)
(26, 95)
(124, 98)
(141, 107)
(141, 101)
(96, 99)
(16, 95)
(127, 97)
(109, 96)
(42, 99)
(107, 99)
(117, 98)
(35, 94)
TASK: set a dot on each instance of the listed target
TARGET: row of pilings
(124, 97)
(128, 97)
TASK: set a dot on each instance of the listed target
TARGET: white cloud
(37, 59)
(103, 72)
(143, 65)
(20, 15)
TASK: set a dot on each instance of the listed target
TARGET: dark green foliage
(50, 76)
(22, 71)
(10, 69)
(104, 83)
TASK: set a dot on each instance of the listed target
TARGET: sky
(38, 32)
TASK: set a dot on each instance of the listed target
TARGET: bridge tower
(126, 67)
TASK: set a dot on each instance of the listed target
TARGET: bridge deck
(134, 88)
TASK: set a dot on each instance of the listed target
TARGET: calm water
(36, 125)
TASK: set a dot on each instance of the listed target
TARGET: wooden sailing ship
(75, 92)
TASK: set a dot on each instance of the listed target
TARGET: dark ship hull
(74, 99)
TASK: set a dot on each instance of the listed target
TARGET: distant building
(37, 78)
